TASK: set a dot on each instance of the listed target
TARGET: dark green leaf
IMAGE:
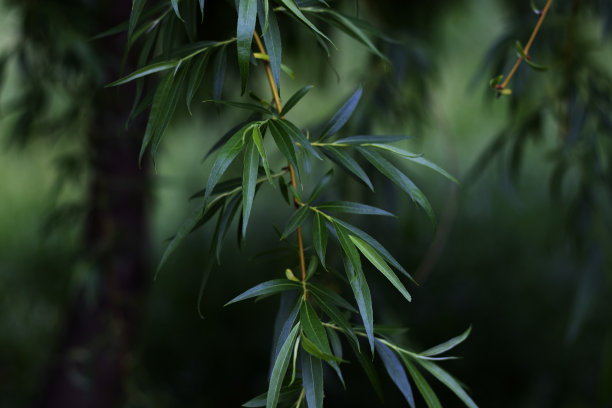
(341, 117)
(219, 68)
(430, 397)
(312, 267)
(290, 304)
(176, 9)
(247, 16)
(282, 187)
(290, 4)
(296, 135)
(380, 264)
(324, 182)
(313, 328)
(415, 158)
(283, 142)
(223, 140)
(332, 297)
(266, 288)
(310, 347)
(137, 6)
(400, 179)
(249, 180)
(349, 207)
(527, 58)
(197, 74)
(319, 236)
(337, 317)
(280, 368)
(447, 345)
(144, 71)
(352, 265)
(258, 140)
(272, 40)
(359, 140)
(287, 394)
(348, 164)
(396, 371)
(296, 220)
(369, 369)
(374, 243)
(225, 220)
(312, 378)
(226, 155)
(446, 379)
(496, 81)
(295, 98)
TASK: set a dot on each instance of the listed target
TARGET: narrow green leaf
(415, 158)
(197, 74)
(223, 139)
(287, 394)
(247, 17)
(296, 135)
(296, 220)
(223, 224)
(319, 236)
(369, 369)
(160, 101)
(144, 71)
(249, 180)
(258, 140)
(280, 368)
(272, 40)
(310, 347)
(331, 297)
(446, 379)
(313, 328)
(312, 378)
(348, 164)
(266, 288)
(430, 397)
(219, 68)
(241, 105)
(226, 155)
(282, 188)
(337, 317)
(341, 117)
(447, 345)
(324, 182)
(363, 139)
(292, 6)
(527, 58)
(396, 371)
(376, 245)
(283, 142)
(295, 98)
(496, 81)
(400, 179)
(535, 9)
(348, 207)
(137, 6)
(290, 304)
(312, 267)
(335, 342)
(380, 264)
(352, 265)
(176, 9)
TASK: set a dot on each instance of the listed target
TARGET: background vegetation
(527, 268)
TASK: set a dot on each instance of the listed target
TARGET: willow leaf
(312, 379)
(396, 371)
(280, 368)
(266, 288)
(247, 17)
(341, 116)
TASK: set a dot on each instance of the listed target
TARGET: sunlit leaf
(341, 117)
(396, 371)
(266, 288)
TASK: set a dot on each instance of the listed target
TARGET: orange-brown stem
(279, 108)
(528, 46)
